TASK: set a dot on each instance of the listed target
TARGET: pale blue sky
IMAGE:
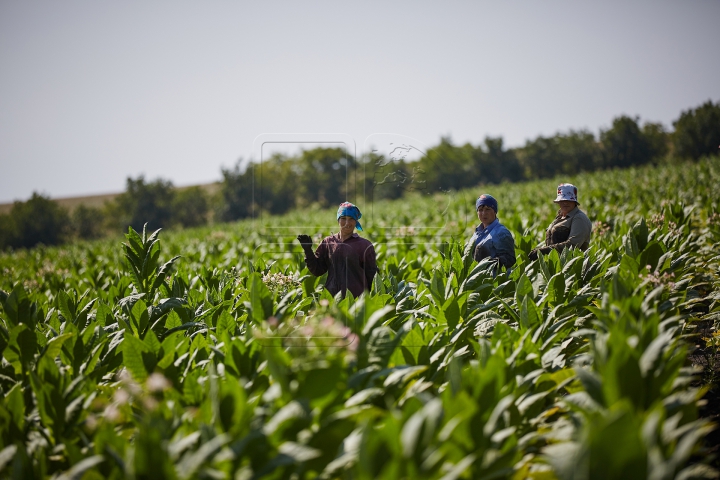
(93, 92)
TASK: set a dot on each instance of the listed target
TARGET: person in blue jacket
(491, 239)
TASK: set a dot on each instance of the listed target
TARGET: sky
(92, 93)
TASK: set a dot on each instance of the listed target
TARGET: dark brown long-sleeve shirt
(350, 265)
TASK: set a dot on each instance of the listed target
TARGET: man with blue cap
(491, 238)
(348, 259)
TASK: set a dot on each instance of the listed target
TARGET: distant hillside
(98, 201)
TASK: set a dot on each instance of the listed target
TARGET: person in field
(491, 238)
(571, 227)
(348, 259)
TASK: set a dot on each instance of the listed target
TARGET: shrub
(190, 207)
(697, 132)
(143, 203)
(39, 220)
(87, 222)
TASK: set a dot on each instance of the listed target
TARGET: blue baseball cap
(487, 200)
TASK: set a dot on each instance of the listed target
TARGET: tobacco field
(212, 353)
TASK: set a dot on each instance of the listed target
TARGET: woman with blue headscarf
(347, 258)
(491, 238)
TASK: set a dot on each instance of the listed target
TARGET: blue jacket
(497, 239)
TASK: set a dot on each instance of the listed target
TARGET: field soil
(97, 201)
(709, 360)
(70, 203)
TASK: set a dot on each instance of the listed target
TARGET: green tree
(448, 166)
(191, 207)
(565, 153)
(697, 131)
(142, 203)
(39, 220)
(578, 152)
(7, 231)
(624, 145)
(658, 139)
(276, 184)
(326, 176)
(387, 178)
(539, 158)
(496, 164)
(88, 222)
(236, 193)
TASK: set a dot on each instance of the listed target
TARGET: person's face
(347, 225)
(566, 206)
(486, 215)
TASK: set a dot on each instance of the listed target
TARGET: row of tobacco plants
(214, 354)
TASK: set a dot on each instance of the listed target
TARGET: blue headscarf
(347, 209)
(488, 200)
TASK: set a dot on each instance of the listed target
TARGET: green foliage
(88, 222)
(38, 220)
(447, 166)
(657, 138)
(236, 193)
(697, 131)
(318, 177)
(157, 204)
(7, 231)
(324, 177)
(128, 360)
(624, 145)
(190, 207)
(142, 253)
(569, 153)
(143, 202)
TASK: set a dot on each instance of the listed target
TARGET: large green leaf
(19, 309)
(640, 232)
(529, 314)
(226, 323)
(523, 287)
(651, 255)
(15, 404)
(318, 382)
(51, 405)
(261, 300)
(556, 289)
(135, 353)
(54, 346)
(140, 318)
(190, 464)
(21, 348)
(451, 312)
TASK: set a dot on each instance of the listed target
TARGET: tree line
(325, 177)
